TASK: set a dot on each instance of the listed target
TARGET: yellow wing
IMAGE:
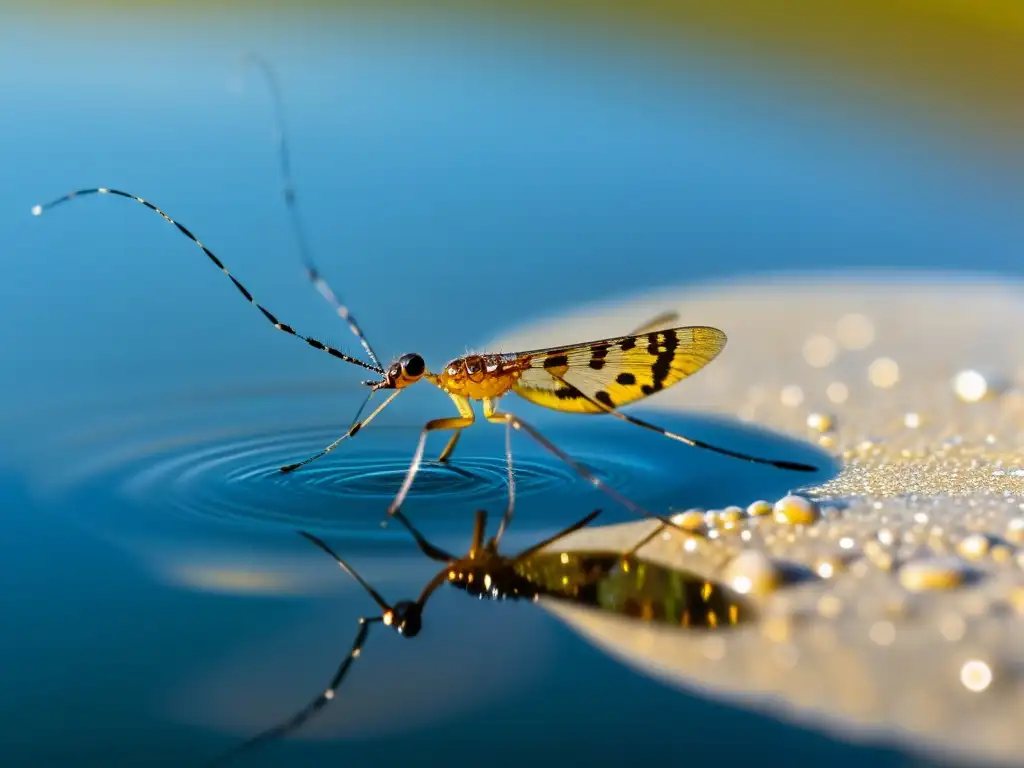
(616, 371)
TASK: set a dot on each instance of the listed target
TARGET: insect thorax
(482, 376)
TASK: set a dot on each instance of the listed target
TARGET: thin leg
(479, 531)
(450, 447)
(352, 431)
(37, 210)
(560, 535)
(465, 419)
(288, 192)
(455, 422)
(296, 720)
(643, 542)
(428, 549)
(792, 465)
(498, 417)
(437, 581)
(506, 521)
(656, 323)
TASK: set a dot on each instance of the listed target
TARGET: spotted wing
(616, 371)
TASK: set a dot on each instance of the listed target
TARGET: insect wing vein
(616, 371)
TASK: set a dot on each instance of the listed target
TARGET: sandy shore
(908, 623)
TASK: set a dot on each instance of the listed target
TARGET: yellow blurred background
(962, 58)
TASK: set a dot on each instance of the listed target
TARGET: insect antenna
(38, 209)
(321, 701)
(795, 466)
(288, 192)
(310, 709)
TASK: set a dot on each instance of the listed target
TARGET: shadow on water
(605, 581)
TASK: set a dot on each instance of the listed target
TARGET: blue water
(455, 181)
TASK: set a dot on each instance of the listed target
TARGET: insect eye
(413, 365)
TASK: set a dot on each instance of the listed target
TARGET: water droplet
(796, 510)
(759, 508)
(855, 331)
(974, 546)
(976, 675)
(819, 351)
(822, 422)
(884, 372)
(791, 396)
(882, 633)
(933, 573)
(970, 386)
(837, 392)
(752, 572)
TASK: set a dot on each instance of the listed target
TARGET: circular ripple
(241, 479)
(163, 468)
(235, 477)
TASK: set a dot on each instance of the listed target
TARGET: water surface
(455, 181)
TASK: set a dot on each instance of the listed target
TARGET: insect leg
(380, 601)
(428, 549)
(693, 442)
(479, 531)
(643, 542)
(465, 419)
(560, 535)
(450, 447)
(497, 417)
(296, 720)
(507, 519)
(38, 210)
(288, 192)
(455, 422)
(352, 431)
(428, 590)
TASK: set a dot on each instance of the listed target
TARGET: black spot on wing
(665, 352)
(627, 344)
(626, 379)
(567, 393)
(597, 365)
(605, 398)
(556, 361)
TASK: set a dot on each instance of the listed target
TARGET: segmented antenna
(38, 209)
(288, 192)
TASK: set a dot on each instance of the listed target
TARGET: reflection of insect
(602, 580)
(590, 377)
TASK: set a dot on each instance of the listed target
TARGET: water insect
(592, 377)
